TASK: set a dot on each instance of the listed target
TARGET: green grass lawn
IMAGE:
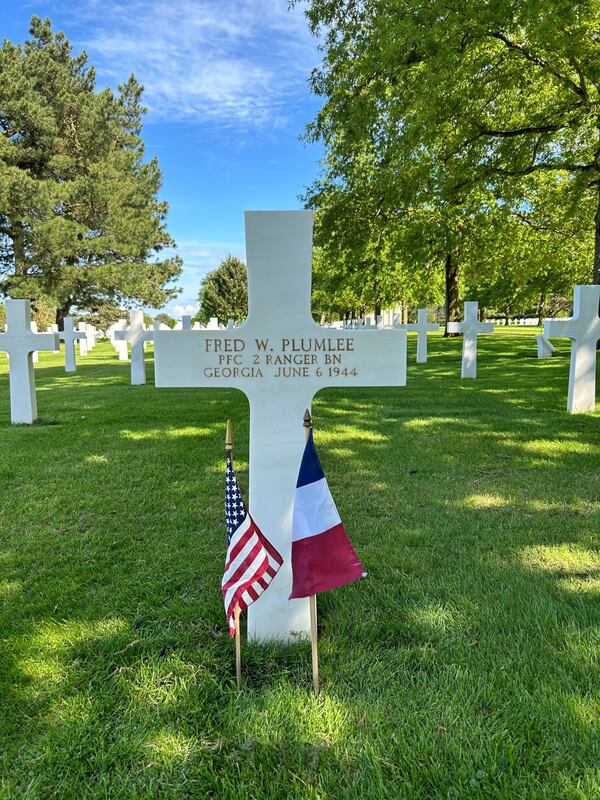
(467, 665)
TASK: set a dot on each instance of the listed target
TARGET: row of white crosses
(21, 342)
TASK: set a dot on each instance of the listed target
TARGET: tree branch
(539, 61)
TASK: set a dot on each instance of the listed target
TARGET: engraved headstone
(279, 358)
(583, 328)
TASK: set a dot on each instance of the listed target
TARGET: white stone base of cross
(470, 328)
(136, 335)
(583, 328)
(280, 358)
(20, 342)
(422, 327)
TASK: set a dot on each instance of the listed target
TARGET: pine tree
(81, 225)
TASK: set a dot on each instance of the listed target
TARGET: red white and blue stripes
(251, 562)
(322, 556)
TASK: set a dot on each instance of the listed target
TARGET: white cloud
(198, 259)
(235, 62)
(179, 311)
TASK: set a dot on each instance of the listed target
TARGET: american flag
(251, 562)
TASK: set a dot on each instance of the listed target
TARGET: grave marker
(136, 335)
(583, 328)
(280, 358)
(83, 341)
(470, 328)
(20, 342)
(69, 335)
(421, 326)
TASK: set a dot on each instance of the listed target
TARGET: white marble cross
(35, 356)
(90, 333)
(83, 341)
(120, 345)
(69, 335)
(280, 358)
(421, 326)
(584, 329)
(136, 335)
(470, 328)
(20, 342)
(53, 329)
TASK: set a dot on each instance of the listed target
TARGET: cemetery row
(280, 358)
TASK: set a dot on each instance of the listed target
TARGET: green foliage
(437, 122)
(165, 319)
(464, 666)
(224, 292)
(80, 220)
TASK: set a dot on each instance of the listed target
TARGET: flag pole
(236, 612)
(313, 597)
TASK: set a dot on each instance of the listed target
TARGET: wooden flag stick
(236, 611)
(238, 647)
(313, 598)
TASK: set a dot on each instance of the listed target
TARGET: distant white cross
(52, 329)
(422, 327)
(584, 329)
(20, 342)
(136, 335)
(90, 332)
(470, 328)
(279, 358)
(83, 341)
(69, 335)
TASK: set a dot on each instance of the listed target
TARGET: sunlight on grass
(485, 501)
(96, 459)
(10, 587)
(563, 559)
(435, 616)
(346, 432)
(168, 746)
(51, 643)
(558, 447)
(165, 433)
(433, 422)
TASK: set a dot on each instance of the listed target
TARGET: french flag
(322, 556)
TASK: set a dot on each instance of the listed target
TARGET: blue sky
(226, 88)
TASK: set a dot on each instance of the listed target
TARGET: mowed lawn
(467, 664)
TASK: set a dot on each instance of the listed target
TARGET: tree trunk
(61, 313)
(540, 308)
(452, 307)
(17, 235)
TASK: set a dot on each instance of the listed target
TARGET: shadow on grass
(464, 665)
